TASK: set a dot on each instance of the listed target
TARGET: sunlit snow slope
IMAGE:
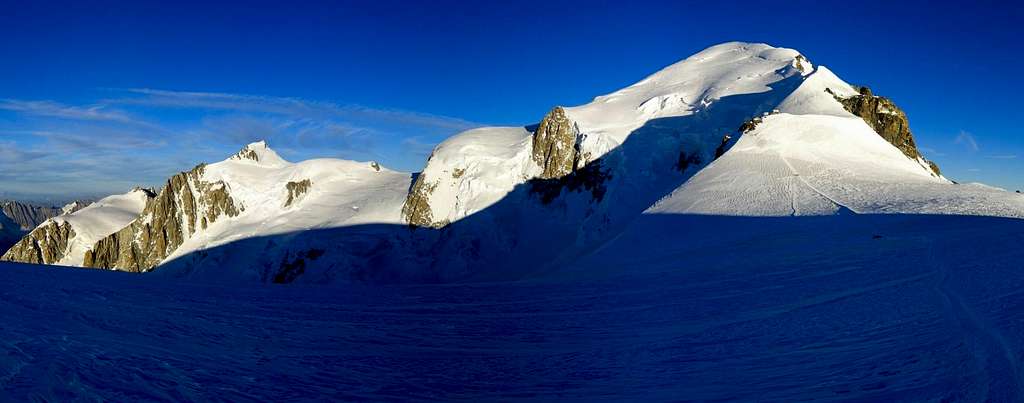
(340, 193)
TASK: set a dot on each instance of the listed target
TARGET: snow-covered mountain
(738, 129)
(17, 219)
(65, 238)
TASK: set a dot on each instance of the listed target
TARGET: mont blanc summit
(739, 129)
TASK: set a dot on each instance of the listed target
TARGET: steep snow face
(811, 98)
(685, 88)
(469, 172)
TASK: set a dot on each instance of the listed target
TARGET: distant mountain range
(738, 129)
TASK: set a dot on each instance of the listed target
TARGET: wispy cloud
(418, 146)
(12, 155)
(61, 111)
(286, 106)
(931, 152)
(967, 140)
(1004, 156)
(97, 140)
(285, 134)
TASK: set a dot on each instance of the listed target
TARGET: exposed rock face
(185, 205)
(799, 61)
(416, 210)
(554, 144)
(887, 119)
(47, 244)
(750, 125)
(296, 190)
(723, 147)
(246, 154)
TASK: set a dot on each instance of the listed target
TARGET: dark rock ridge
(185, 205)
(28, 216)
(296, 190)
(246, 154)
(554, 144)
(723, 147)
(887, 119)
(47, 244)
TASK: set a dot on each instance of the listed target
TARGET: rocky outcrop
(416, 210)
(799, 61)
(723, 147)
(246, 154)
(185, 205)
(47, 244)
(887, 119)
(296, 190)
(554, 144)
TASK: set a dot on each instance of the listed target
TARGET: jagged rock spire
(554, 144)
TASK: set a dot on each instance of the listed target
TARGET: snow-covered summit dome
(259, 153)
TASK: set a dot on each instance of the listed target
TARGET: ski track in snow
(809, 186)
(906, 317)
(992, 350)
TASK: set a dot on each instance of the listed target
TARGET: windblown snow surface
(836, 308)
(810, 261)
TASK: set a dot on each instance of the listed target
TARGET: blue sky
(98, 96)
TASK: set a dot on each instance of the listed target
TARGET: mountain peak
(260, 153)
